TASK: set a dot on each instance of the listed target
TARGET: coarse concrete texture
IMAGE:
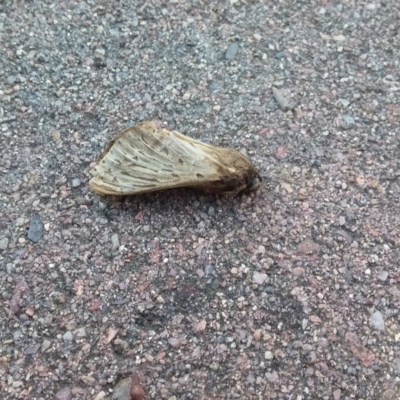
(291, 292)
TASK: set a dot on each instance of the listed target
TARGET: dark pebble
(35, 232)
(215, 284)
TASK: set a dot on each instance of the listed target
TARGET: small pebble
(383, 276)
(396, 365)
(231, 51)
(348, 119)
(277, 83)
(115, 242)
(80, 332)
(257, 334)
(3, 244)
(68, 336)
(56, 135)
(343, 102)
(17, 334)
(214, 366)
(213, 87)
(339, 38)
(215, 284)
(351, 370)
(309, 371)
(173, 342)
(310, 358)
(337, 394)
(11, 79)
(121, 390)
(19, 221)
(377, 321)
(101, 395)
(200, 272)
(259, 278)
(298, 271)
(268, 355)
(64, 394)
(45, 345)
(30, 311)
(76, 182)
(32, 349)
(344, 234)
(35, 231)
(287, 187)
(208, 269)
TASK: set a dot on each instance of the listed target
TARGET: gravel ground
(288, 293)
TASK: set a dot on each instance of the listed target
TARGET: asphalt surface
(288, 293)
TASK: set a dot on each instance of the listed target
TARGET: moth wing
(144, 159)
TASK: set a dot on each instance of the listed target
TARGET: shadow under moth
(145, 158)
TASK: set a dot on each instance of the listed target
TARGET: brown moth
(145, 158)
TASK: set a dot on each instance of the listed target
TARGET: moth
(145, 158)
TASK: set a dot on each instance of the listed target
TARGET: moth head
(253, 183)
(248, 179)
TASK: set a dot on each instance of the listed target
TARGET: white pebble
(383, 276)
(259, 278)
(269, 355)
(76, 182)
